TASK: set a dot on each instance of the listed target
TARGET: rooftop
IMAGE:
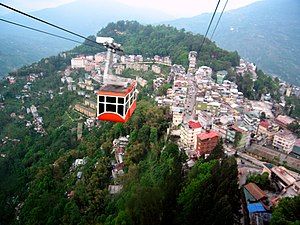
(207, 135)
(255, 191)
(286, 134)
(255, 207)
(114, 88)
(194, 125)
(264, 123)
(283, 174)
(285, 119)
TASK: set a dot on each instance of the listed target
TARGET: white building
(78, 62)
(188, 134)
(177, 118)
(156, 69)
(284, 140)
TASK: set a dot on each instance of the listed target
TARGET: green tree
(287, 212)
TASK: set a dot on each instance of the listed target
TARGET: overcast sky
(175, 8)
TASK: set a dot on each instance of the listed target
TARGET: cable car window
(101, 108)
(126, 108)
(121, 100)
(111, 108)
(101, 98)
(110, 99)
(121, 110)
(127, 97)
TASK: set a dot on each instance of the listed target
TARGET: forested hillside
(266, 32)
(42, 187)
(82, 16)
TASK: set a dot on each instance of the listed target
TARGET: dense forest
(157, 186)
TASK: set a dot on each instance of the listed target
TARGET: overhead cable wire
(212, 18)
(48, 23)
(218, 20)
(44, 32)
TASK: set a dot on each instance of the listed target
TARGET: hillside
(19, 46)
(266, 32)
(41, 184)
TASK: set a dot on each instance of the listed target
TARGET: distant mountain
(266, 32)
(19, 46)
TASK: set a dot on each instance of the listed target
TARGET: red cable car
(116, 103)
(116, 99)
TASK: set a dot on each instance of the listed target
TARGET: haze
(173, 8)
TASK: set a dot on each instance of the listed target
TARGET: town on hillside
(205, 107)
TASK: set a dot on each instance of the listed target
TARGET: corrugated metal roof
(255, 191)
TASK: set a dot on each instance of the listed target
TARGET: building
(189, 132)
(100, 57)
(267, 130)
(85, 110)
(221, 129)
(257, 204)
(90, 103)
(284, 140)
(252, 119)
(283, 120)
(78, 62)
(192, 60)
(282, 176)
(156, 69)
(206, 142)
(238, 136)
(177, 118)
(221, 75)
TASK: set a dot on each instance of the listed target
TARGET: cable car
(116, 103)
(116, 99)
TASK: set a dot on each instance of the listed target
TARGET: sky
(174, 8)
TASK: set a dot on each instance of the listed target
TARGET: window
(127, 97)
(130, 101)
(121, 100)
(101, 98)
(121, 110)
(110, 99)
(126, 107)
(111, 108)
(101, 108)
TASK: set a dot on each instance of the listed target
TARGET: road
(190, 98)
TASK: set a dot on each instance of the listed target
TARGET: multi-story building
(90, 103)
(205, 119)
(221, 129)
(188, 134)
(85, 110)
(251, 119)
(100, 57)
(206, 142)
(238, 136)
(283, 120)
(156, 69)
(267, 130)
(284, 140)
(177, 118)
(192, 60)
(221, 75)
(78, 62)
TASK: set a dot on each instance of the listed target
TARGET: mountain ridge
(260, 32)
(95, 16)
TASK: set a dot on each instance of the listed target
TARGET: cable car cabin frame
(116, 103)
